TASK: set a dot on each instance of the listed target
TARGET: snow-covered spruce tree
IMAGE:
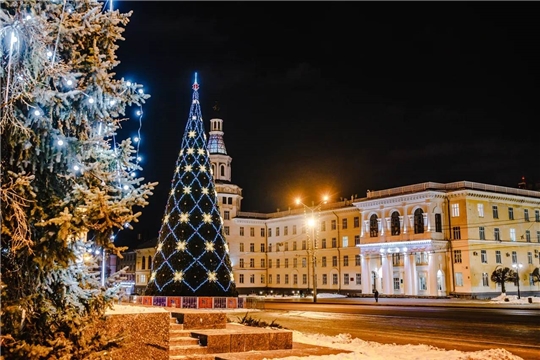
(65, 181)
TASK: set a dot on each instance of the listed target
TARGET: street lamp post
(312, 223)
(517, 267)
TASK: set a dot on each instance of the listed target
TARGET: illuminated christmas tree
(192, 258)
(67, 184)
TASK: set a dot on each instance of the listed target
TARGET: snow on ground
(364, 350)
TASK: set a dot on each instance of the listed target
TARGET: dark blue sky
(339, 96)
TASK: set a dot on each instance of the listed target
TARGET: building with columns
(426, 240)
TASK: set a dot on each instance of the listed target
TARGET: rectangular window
(514, 257)
(295, 279)
(396, 283)
(295, 263)
(485, 279)
(304, 262)
(334, 279)
(438, 223)
(480, 208)
(510, 213)
(226, 215)
(286, 278)
(455, 210)
(456, 231)
(482, 233)
(277, 231)
(241, 279)
(323, 225)
(325, 279)
(304, 279)
(334, 242)
(251, 263)
(459, 279)
(358, 279)
(357, 261)
(262, 232)
(495, 210)
(498, 258)
(333, 225)
(262, 279)
(278, 279)
(497, 234)
(241, 263)
(344, 224)
(251, 231)
(263, 263)
(334, 261)
(356, 240)
(538, 236)
(323, 243)
(529, 257)
(269, 248)
(356, 221)
(285, 230)
(528, 235)
(262, 247)
(269, 263)
(242, 247)
(345, 279)
(294, 245)
(269, 232)
(483, 255)
(422, 282)
(513, 234)
(526, 214)
(303, 244)
(241, 231)
(226, 230)
(252, 247)
(278, 263)
(270, 278)
(323, 261)
(345, 260)
(345, 241)
(286, 263)
(294, 229)
(537, 215)
(252, 279)
(457, 256)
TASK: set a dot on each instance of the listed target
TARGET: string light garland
(192, 257)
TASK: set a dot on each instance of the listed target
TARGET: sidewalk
(522, 303)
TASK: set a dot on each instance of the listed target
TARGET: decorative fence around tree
(192, 302)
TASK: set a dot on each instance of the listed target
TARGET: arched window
(222, 170)
(373, 226)
(149, 262)
(143, 265)
(418, 221)
(395, 226)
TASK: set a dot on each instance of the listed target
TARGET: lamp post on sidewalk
(517, 267)
(312, 223)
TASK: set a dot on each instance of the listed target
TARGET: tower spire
(192, 258)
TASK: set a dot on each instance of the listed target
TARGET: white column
(389, 279)
(432, 274)
(380, 227)
(414, 275)
(366, 274)
(407, 274)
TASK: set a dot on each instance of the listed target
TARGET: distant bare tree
(535, 275)
(503, 275)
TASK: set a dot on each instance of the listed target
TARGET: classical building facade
(429, 239)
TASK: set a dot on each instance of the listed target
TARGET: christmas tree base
(191, 302)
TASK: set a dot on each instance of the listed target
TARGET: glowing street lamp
(312, 223)
(517, 267)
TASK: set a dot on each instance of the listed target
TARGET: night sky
(338, 97)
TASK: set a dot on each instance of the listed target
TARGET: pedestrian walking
(376, 295)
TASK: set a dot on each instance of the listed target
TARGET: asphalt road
(464, 328)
